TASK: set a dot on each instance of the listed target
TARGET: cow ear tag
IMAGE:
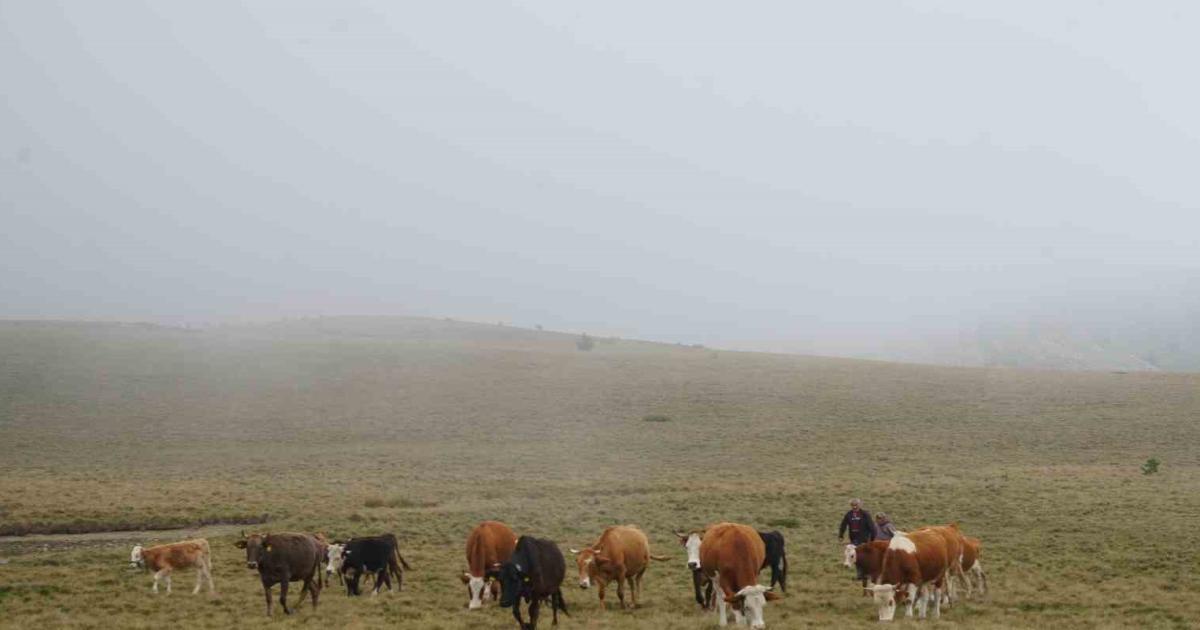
(268, 547)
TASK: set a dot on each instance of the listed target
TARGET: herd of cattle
(916, 568)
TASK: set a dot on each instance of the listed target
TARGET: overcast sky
(726, 173)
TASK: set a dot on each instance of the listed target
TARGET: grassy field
(425, 427)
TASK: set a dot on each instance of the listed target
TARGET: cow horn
(573, 550)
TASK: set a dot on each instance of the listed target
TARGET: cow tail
(560, 603)
(403, 562)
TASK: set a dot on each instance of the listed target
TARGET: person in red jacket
(860, 525)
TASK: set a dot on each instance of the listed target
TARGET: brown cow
(284, 558)
(868, 559)
(954, 544)
(971, 550)
(731, 555)
(489, 545)
(621, 554)
(914, 562)
(163, 559)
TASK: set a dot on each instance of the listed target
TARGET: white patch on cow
(754, 601)
(901, 542)
(693, 550)
(849, 556)
(884, 596)
(475, 586)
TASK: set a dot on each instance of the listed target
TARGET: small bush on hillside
(784, 522)
(585, 343)
(656, 417)
(1151, 466)
(374, 502)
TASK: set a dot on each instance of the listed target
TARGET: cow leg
(267, 593)
(601, 586)
(208, 576)
(621, 586)
(533, 612)
(381, 579)
(912, 599)
(981, 576)
(315, 589)
(157, 575)
(937, 601)
(199, 579)
(283, 589)
(168, 578)
(721, 617)
(305, 586)
(517, 613)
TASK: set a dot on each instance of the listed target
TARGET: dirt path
(57, 541)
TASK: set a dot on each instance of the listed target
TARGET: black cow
(776, 558)
(534, 573)
(378, 556)
(284, 558)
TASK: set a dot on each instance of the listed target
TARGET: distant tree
(585, 343)
(1151, 466)
(537, 326)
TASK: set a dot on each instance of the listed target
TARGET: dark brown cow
(621, 554)
(163, 559)
(914, 562)
(868, 559)
(284, 558)
(731, 555)
(489, 545)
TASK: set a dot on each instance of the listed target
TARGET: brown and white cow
(915, 562)
(971, 565)
(867, 558)
(954, 544)
(731, 555)
(489, 545)
(621, 554)
(163, 559)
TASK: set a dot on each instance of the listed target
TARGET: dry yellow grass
(425, 427)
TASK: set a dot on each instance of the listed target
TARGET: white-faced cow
(378, 556)
(700, 584)
(621, 554)
(731, 555)
(163, 559)
(915, 562)
(489, 545)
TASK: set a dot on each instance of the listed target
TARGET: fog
(854, 179)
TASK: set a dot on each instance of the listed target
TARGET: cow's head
(135, 558)
(691, 542)
(477, 586)
(589, 561)
(514, 581)
(885, 600)
(752, 600)
(849, 556)
(334, 558)
(256, 547)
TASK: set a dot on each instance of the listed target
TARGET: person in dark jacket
(860, 525)
(884, 528)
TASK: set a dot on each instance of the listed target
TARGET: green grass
(424, 428)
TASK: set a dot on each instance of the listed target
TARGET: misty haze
(365, 268)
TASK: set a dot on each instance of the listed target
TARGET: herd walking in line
(917, 568)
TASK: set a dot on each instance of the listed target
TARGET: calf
(731, 555)
(867, 559)
(373, 555)
(284, 558)
(534, 573)
(163, 559)
(621, 554)
(776, 558)
(489, 545)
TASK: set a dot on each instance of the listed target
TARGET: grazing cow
(953, 537)
(373, 555)
(700, 585)
(621, 554)
(731, 555)
(971, 550)
(776, 558)
(284, 558)
(163, 559)
(489, 545)
(867, 558)
(534, 572)
(333, 560)
(914, 562)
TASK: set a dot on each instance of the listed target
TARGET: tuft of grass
(784, 522)
(656, 417)
(398, 502)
